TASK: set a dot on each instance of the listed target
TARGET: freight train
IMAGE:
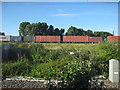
(56, 39)
(113, 38)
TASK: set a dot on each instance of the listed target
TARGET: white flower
(71, 52)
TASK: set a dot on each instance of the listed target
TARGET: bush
(47, 70)
(19, 68)
(74, 74)
(108, 50)
(37, 53)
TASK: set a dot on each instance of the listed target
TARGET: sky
(95, 16)
(60, 0)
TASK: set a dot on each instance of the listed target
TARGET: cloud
(64, 15)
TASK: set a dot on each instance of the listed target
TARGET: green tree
(34, 30)
(72, 31)
(62, 31)
(44, 27)
(22, 30)
(81, 32)
(102, 34)
(89, 33)
(28, 29)
(56, 32)
(38, 29)
(50, 30)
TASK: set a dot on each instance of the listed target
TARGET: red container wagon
(75, 38)
(47, 38)
(95, 39)
(113, 38)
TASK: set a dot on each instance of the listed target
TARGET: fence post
(114, 70)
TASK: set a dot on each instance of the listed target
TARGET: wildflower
(24, 54)
(18, 54)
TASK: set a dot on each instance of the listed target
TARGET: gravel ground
(22, 84)
(97, 82)
(103, 82)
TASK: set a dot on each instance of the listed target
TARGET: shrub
(108, 50)
(19, 68)
(74, 74)
(37, 53)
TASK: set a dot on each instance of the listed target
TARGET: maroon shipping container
(75, 38)
(47, 38)
(95, 39)
(113, 38)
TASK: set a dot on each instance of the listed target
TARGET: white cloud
(64, 15)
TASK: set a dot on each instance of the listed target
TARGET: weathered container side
(113, 38)
(16, 38)
(95, 39)
(75, 38)
(29, 39)
(47, 38)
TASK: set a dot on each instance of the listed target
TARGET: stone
(8, 78)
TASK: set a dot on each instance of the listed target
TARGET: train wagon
(16, 38)
(113, 38)
(28, 38)
(5, 38)
(95, 39)
(47, 39)
(75, 39)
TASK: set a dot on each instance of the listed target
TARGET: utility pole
(113, 32)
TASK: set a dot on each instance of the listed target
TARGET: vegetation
(73, 31)
(43, 29)
(54, 61)
(38, 29)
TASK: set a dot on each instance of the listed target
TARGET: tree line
(73, 31)
(27, 29)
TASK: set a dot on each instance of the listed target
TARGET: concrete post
(114, 70)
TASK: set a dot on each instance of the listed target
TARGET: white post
(114, 70)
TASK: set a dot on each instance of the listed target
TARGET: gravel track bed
(105, 84)
(22, 84)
